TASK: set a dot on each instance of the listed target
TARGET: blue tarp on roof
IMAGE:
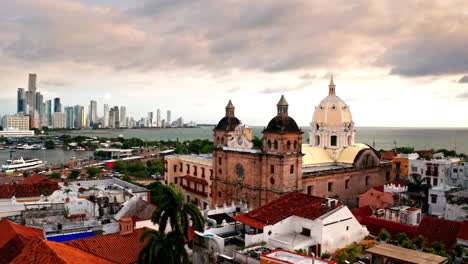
(70, 237)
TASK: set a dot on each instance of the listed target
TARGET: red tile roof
(13, 237)
(298, 204)
(42, 251)
(437, 229)
(31, 187)
(361, 212)
(463, 233)
(388, 155)
(122, 249)
(375, 225)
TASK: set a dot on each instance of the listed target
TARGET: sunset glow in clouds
(397, 63)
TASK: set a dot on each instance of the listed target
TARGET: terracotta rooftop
(463, 233)
(42, 251)
(31, 187)
(195, 179)
(437, 229)
(122, 249)
(13, 237)
(375, 225)
(361, 212)
(297, 204)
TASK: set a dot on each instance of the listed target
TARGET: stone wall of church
(346, 185)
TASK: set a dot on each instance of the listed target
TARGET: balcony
(193, 190)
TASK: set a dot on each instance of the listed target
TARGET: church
(330, 165)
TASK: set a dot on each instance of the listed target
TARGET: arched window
(217, 140)
(333, 141)
(317, 140)
(318, 126)
(272, 181)
(288, 145)
(269, 144)
(276, 145)
(295, 145)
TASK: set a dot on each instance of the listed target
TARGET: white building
(435, 171)
(59, 120)
(448, 202)
(294, 221)
(106, 116)
(20, 122)
(459, 175)
(13, 132)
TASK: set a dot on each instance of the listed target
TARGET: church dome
(230, 121)
(332, 112)
(282, 122)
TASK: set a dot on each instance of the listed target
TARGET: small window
(272, 168)
(211, 173)
(188, 169)
(203, 172)
(305, 232)
(175, 168)
(181, 167)
(176, 179)
(333, 107)
(433, 198)
(295, 145)
(436, 181)
(288, 145)
(219, 194)
(387, 176)
(269, 144)
(291, 169)
(219, 160)
(330, 186)
(276, 145)
(347, 228)
(317, 140)
(309, 189)
(195, 170)
(346, 184)
(367, 180)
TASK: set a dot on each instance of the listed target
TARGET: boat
(80, 149)
(20, 164)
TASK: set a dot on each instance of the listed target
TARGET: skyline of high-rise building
(106, 116)
(39, 102)
(158, 117)
(20, 100)
(32, 91)
(93, 112)
(168, 117)
(70, 114)
(123, 116)
(57, 105)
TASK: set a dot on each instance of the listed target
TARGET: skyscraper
(106, 116)
(48, 111)
(168, 119)
(57, 105)
(20, 101)
(93, 112)
(116, 119)
(77, 109)
(39, 102)
(70, 117)
(32, 90)
(158, 118)
(150, 119)
(123, 116)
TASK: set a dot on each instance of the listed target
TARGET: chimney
(126, 226)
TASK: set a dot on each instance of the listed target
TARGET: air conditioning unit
(331, 202)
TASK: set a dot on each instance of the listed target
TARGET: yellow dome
(315, 156)
(332, 112)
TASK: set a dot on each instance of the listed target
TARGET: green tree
(257, 142)
(384, 235)
(419, 242)
(418, 184)
(74, 174)
(408, 244)
(93, 171)
(406, 150)
(49, 144)
(401, 237)
(120, 166)
(55, 175)
(162, 248)
(172, 210)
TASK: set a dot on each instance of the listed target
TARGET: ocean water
(379, 137)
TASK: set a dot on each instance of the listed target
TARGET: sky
(397, 63)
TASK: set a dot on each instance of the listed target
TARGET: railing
(192, 190)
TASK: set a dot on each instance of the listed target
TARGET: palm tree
(418, 184)
(170, 248)
(162, 248)
(173, 209)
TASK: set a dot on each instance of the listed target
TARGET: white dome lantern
(332, 125)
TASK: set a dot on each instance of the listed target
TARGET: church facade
(331, 164)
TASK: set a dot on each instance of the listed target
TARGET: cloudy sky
(397, 63)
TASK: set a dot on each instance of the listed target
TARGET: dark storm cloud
(463, 79)
(264, 35)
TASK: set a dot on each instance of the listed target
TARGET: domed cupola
(282, 122)
(332, 125)
(229, 122)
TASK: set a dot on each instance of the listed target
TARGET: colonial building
(331, 165)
